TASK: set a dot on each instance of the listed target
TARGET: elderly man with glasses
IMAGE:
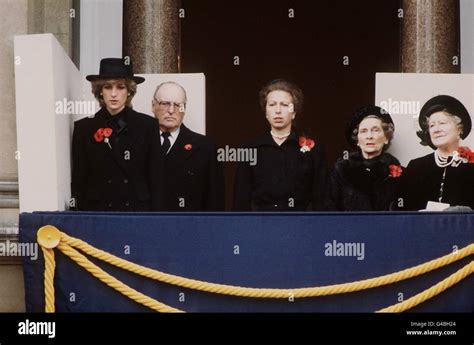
(194, 179)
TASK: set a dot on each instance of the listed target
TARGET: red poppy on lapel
(99, 135)
(302, 141)
(466, 153)
(108, 132)
(188, 147)
(306, 144)
(395, 170)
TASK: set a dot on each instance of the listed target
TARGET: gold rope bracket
(48, 236)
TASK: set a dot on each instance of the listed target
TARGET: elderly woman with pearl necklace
(444, 178)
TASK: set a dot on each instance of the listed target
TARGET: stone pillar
(52, 16)
(151, 35)
(15, 23)
(430, 36)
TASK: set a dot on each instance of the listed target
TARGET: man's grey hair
(172, 83)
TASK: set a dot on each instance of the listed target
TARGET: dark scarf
(117, 122)
(363, 173)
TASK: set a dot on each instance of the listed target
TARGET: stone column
(52, 16)
(14, 22)
(151, 35)
(430, 36)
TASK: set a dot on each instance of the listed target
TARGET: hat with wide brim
(361, 114)
(115, 68)
(442, 103)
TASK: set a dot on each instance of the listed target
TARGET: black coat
(358, 184)
(126, 177)
(283, 179)
(194, 177)
(422, 179)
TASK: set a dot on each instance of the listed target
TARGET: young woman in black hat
(446, 175)
(367, 178)
(116, 155)
(290, 169)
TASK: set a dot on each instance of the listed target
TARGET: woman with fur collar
(367, 178)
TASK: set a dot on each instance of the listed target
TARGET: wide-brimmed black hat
(362, 113)
(115, 68)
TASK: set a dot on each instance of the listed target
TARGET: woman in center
(290, 169)
(366, 179)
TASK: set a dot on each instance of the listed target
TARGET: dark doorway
(308, 48)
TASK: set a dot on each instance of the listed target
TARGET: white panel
(44, 79)
(67, 89)
(403, 95)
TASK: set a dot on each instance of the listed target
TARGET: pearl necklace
(441, 161)
(280, 137)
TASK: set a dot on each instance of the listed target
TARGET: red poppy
(188, 147)
(465, 152)
(99, 135)
(107, 132)
(302, 141)
(395, 170)
(306, 144)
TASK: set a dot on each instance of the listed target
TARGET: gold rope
(67, 245)
(114, 283)
(49, 267)
(268, 293)
(432, 291)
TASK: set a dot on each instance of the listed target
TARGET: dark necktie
(166, 142)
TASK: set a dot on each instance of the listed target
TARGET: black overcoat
(283, 179)
(421, 182)
(194, 176)
(125, 176)
(358, 184)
